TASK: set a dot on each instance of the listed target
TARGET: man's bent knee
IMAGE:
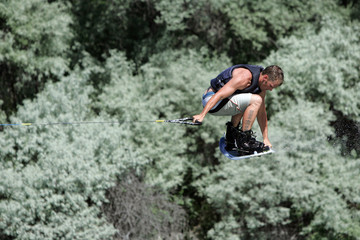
(256, 99)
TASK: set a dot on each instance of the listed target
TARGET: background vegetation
(133, 60)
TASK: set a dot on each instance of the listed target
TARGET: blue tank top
(225, 76)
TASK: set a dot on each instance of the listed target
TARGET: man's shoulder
(242, 74)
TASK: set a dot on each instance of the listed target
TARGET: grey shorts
(236, 105)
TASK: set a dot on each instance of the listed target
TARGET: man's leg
(248, 143)
(245, 107)
(235, 120)
(232, 132)
(251, 112)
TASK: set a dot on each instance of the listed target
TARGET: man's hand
(267, 143)
(198, 118)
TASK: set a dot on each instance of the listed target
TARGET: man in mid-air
(239, 91)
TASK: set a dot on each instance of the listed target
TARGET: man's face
(268, 85)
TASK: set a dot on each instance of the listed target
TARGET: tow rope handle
(187, 121)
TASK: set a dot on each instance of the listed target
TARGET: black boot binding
(243, 142)
(249, 145)
(231, 135)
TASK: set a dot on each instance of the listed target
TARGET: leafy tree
(84, 181)
(323, 67)
(245, 30)
(200, 179)
(55, 177)
(76, 165)
(353, 6)
(35, 36)
(139, 212)
(301, 193)
(296, 193)
(125, 25)
(167, 87)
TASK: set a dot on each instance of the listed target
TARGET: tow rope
(187, 121)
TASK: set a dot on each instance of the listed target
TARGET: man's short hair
(275, 73)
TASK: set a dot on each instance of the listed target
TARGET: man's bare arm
(241, 79)
(262, 120)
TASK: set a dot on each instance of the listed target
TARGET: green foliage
(34, 40)
(167, 87)
(321, 67)
(125, 25)
(134, 61)
(100, 25)
(139, 212)
(294, 193)
(56, 176)
(245, 30)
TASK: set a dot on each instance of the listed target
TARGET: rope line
(187, 121)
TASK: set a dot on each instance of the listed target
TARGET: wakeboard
(235, 155)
